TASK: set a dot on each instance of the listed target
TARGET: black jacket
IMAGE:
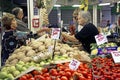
(86, 36)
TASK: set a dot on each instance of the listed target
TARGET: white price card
(55, 33)
(100, 39)
(74, 64)
(116, 56)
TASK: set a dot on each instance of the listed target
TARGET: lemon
(94, 52)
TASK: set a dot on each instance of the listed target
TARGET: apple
(21, 63)
(16, 73)
(10, 77)
(3, 74)
(12, 68)
(19, 67)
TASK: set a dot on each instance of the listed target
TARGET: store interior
(52, 52)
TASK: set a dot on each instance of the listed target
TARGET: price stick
(74, 64)
(54, 50)
(55, 35)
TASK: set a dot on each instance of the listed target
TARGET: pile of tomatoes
(62, 72)
(105, 69)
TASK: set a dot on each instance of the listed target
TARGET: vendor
(87, 33)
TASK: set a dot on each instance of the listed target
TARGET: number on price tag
(74, 64)
(101, 39)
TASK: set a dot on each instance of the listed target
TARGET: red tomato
(48, 78)
(64, 78)
(68, 74)
(35, 72)
(32, 79)
(23, 78)
(28, 76)
(46, 74)
(57, 78)
(61, 73)
(44, 70)
(37, 77)
(53, 72)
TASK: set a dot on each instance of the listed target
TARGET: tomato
(37, 77)
(57, 78)
(48, 78)
(61, 73)
(46, 74)
(44, 70)
(64, 78)
(35, 72)
(53, 72)
(68, 74)
(32, 79)
(23, 78)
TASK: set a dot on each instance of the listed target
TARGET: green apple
(18, 67)
(42, 63)
(12, 69)
(10, 77)
(3, 74)
(21, 63)
(16, 73)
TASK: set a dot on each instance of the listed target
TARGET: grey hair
(16, 10)
(86, 15)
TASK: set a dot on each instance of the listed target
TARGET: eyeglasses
(75, 17)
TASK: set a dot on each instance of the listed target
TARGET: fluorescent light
(76, 5)
(57, 5)
(118, 2)
(104, 4)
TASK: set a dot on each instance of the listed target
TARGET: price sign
(55, 33)
(116, 56)
(100, 39)
(74, 64)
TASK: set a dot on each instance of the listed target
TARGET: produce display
(37, 54)
(104, 68)
(61, 72)
(103, 48)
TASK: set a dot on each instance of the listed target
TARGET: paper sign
(55, 33)
(74, 64)
(101, 39)
(116, 56)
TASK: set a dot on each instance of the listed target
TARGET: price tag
(55, 33)
(101, 39)
(74, 64)
(116, 56)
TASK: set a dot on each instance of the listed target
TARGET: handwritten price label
(74, 64)
(116, 56)
(101, 39)
(55, 33)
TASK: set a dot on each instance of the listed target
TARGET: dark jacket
(21, 26)
(9, 44)
(86, 36)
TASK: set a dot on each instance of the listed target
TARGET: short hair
(7, 20)
(16, 10)
(86, 15)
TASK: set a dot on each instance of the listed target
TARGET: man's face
(20, 14)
